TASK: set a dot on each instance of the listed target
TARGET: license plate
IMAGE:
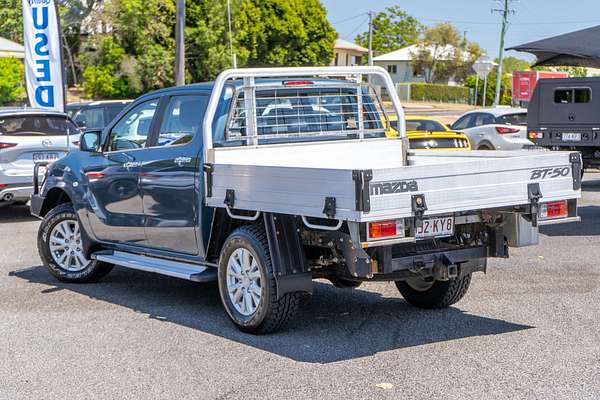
(37, 157)
(436, 227)
(571, 137)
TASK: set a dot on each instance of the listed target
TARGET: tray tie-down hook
(534, 194)
(419, 206)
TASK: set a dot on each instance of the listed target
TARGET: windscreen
(513, 119)
(36, 125)
(308, 114)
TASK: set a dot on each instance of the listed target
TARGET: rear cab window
(424, 125)
(307, 114)
(513, 119)
(36, 125)
(572, 95)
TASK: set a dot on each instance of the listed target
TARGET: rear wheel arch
(55, 197)
(485, 145)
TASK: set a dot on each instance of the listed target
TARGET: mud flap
(290, 267)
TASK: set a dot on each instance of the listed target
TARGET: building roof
(11, 49)
(346, 45)
(407, 53)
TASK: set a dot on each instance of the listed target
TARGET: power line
(520, 22)
(349, 19)
(351, 34)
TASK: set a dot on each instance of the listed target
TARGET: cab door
(169, 173)
(117, 213)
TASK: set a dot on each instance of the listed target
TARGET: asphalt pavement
(528, 329)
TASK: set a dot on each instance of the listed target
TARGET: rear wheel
(247, 286)
(484, 147)
(61, 248)
(433, 294)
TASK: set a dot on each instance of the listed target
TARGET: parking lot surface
(528, 329)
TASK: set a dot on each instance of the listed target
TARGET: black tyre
(60, 248)
(247, 286)
(434, 294)
(344, 283)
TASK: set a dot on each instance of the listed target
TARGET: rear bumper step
(176, 269)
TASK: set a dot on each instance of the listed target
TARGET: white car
(29, 136)
(500, 128)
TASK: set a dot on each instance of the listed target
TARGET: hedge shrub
(12, 79)
(441, 93)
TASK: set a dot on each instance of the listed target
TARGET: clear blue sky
(533, 19)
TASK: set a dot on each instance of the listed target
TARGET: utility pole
(371, 37)
(233, 57)
(180, 43)
(504, 11)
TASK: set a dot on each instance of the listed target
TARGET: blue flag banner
(43, 60)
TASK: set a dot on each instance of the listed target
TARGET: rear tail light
(535, 135)
(95, 174)
(7, 145)
(556, 209)
(504, 130)
(386, 229)
(3, 185)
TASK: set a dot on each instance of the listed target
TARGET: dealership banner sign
(43, 60)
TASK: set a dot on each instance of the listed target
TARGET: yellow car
(429, 133)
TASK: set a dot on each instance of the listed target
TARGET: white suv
(500, 128)
(28, 136)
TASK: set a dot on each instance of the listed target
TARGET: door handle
(182, 160)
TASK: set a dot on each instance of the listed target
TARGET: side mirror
(89, 141)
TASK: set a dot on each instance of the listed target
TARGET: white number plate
(45, 157)
(436, 227)
(571, 137)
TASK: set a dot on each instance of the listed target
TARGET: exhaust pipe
(8, 197)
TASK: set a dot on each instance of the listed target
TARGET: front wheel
(61, 249)
(433, 294)
(247, 286)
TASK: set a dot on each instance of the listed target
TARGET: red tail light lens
(535, 135)
(3, 185)
(386, 229)
(557, 209)
(95, 174)
(7, 145)
(504, 130)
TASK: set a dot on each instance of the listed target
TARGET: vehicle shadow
(588, 226)
(334, 325)
(13, 213)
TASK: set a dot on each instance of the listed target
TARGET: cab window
(484, 119)
(182, 120)
(131, 132)
(464, 122)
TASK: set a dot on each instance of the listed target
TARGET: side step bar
(191, 272)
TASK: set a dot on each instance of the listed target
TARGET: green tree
(11, 20)
(510, 64)
(574, 72)
(392, 30)
(11, 80)
(284, 32)
(443, 54)
(505, 91)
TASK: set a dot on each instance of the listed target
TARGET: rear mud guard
(290, 267)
